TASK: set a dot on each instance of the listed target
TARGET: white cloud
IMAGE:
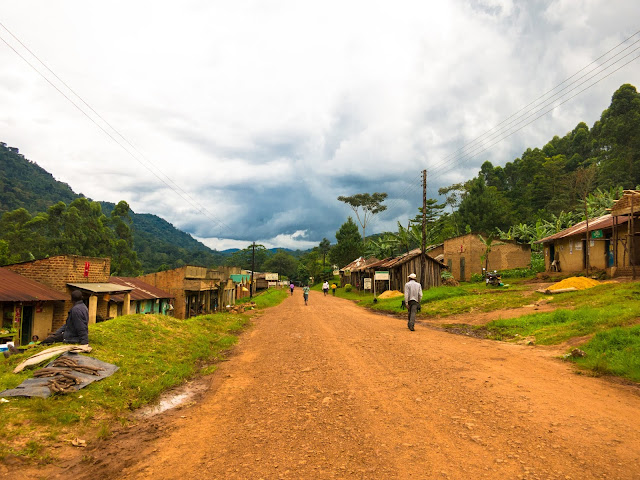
(265, 112)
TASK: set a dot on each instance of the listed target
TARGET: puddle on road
(173, 399)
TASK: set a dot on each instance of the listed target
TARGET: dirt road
(330, 390)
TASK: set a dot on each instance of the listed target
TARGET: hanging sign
(597, 234)
(87, 265)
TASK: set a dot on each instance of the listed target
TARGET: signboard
(381, 276)
(271, 277)
(87, 265)
(367, 284)
(597, 234)
(347, 271)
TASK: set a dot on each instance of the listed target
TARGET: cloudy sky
(245, 120)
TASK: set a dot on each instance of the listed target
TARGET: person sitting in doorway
(76, 328)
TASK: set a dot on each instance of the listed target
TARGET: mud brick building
(26, 307)
(463, 256)
(197, 290)
(65, 273)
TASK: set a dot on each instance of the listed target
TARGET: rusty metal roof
(605, 221)
(16, 288)
(140, 289)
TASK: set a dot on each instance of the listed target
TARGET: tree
(244, 258)
(488, 244)
(484, 208)
(370, 205)
(124, 260)
(584, 180)
(282, 263)
(324, 246)
(349, 244)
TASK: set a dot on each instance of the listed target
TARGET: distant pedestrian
(305, 294)
(333, 289)
(325, 288)
(412, 298)
(291, 288)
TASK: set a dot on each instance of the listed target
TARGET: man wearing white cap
(412, 298)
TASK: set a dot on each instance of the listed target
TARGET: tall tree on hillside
(124, 260)
(618, 134)
(282, 263)
(484, 208)
(324, 247)
(349, 244)
(365, 206)
(23, 235)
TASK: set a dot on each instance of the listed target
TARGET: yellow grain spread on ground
(579, 283)
(391, 294)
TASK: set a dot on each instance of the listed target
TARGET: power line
(170, 183)
(541, 97)
(506, 131)
(538, 109)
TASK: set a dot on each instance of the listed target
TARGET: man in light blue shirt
(412, 298)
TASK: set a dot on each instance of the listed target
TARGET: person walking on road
(412, 298)
(291, 288)
(325, 288)
(305, 294)
(333, 289)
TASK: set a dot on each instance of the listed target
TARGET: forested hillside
(24, 184)
(34, 221)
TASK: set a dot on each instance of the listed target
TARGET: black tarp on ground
(37, 387)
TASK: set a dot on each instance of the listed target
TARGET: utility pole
(423, 259)
(253, 267)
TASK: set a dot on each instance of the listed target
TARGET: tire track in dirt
(330, 390)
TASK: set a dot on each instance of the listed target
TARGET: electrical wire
(140, 158)
(546, 107)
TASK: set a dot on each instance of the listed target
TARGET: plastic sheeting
(37, 387)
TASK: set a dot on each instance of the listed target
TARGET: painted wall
(468, 250)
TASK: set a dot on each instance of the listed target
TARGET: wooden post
(93, 309)
(423, 260)
(632, 249)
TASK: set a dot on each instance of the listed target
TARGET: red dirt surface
(330, 391)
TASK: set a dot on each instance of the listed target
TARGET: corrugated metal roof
(141, 290)
(605, 221)
(16, 288)
(101, 287)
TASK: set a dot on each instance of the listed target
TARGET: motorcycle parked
(493, 278)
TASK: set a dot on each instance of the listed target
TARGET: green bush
(476, 278)
(348, 287)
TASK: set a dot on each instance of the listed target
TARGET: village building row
(610, 243)
(35, 296)
(461, 256)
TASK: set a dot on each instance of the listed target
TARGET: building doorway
(26, 324)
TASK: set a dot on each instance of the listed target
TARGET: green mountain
(159, 245)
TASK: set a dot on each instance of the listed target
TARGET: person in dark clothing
(76, 328)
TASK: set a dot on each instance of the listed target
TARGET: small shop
(26, 308)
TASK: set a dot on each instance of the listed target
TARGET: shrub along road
(331, 390)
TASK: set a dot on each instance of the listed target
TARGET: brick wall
(171, 281)
(57, 271)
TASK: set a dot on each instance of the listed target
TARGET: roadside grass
(614, 352)
(267, 298)
(153, 352)
(444, 301)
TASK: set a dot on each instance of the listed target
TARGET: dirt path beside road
(330, 390)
